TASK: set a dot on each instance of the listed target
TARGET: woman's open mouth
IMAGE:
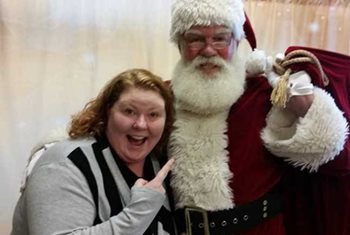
(136, 140)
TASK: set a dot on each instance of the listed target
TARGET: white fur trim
(256, 63)
(187, 13)
(201, 175)
(311, 141)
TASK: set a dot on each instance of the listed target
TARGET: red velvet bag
(330, 71)
(320, 202)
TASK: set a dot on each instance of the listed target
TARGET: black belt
(196, 221)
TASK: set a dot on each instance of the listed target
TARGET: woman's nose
(140, 122)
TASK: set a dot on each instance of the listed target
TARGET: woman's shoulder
(56, 153)
(52, 157)
(60, 151)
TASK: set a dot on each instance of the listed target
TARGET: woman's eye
(129, 111)
(154, 115)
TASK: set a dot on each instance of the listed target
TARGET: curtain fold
(310, 2)
(279, 24)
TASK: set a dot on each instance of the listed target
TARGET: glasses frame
(205, 41)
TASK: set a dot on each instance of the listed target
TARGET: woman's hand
(157, 182)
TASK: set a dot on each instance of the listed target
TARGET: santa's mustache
(215, 60)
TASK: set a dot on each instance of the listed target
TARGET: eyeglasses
(198, 42)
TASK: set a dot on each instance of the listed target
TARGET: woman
(102, 180)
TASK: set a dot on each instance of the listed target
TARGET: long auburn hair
(92, 119)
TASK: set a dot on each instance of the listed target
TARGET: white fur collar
(201, 174)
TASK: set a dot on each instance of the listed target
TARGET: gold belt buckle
(204, 213)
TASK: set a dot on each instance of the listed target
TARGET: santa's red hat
(230, 13)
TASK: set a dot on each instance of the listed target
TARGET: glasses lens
(220, 45)
(196, 45)
(218, 42)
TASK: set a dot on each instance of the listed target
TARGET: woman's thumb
(140, 182)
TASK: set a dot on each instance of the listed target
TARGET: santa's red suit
(315, 203)
(244, 166)
(207, 176)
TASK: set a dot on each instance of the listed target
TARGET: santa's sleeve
(309, 142)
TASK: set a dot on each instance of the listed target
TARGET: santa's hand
(299, 83)
(287, 86)
(293, 92)
(157, 182)
(299, 104)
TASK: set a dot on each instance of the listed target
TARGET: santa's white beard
(199, 93)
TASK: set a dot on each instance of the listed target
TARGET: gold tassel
(279, 95)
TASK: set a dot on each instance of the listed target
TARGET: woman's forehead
(134, 94)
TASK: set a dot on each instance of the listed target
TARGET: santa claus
(234, 150)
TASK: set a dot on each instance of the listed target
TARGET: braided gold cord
(314, 59)
(279, 95)
(286, 63)
(278, 68)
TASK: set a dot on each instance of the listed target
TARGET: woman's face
(136, 123)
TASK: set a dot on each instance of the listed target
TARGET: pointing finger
(162, 173)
